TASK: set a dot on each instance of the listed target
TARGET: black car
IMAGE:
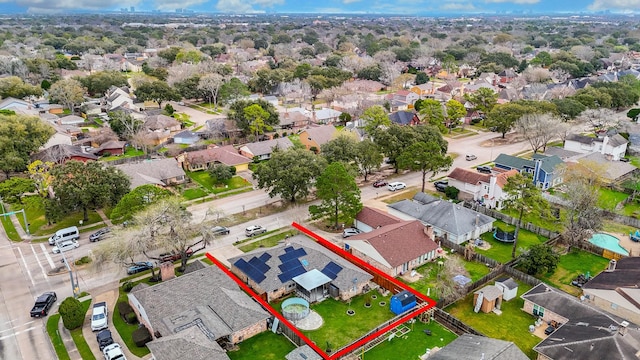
(484, 169)
(104, 338)
(549, 330)
(220, 230)
(441, 185)
(99, 235)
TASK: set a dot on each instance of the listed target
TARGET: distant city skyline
(408, 7)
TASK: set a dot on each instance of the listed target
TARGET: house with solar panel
(303, 267)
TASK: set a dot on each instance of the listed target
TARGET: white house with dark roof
(484, 188)
(454, 221)
(614, 146)
(263, 149)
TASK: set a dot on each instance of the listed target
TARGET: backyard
(128, 152)
(265, 346)
(501, 251)
(570, 266)
(413, 344)
(512, 325)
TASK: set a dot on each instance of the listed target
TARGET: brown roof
(112, 144)
(399, 243)
(502, 177)
(376, 218)
(160, 122)
(469, 176)
(321, 134)
(227, 155)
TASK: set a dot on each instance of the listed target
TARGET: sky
(412, 7)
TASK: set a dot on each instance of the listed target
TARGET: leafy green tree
(98, 83)
(263, 111)
(451, 192)
(523, 197)
(188, 88)
(367, 157)
(344, 118)
(257, 117)
(342, 148)
(569, 108)
(221, 172)
(157, 91)
(233, 90)
(540, 258)
(374, 118)
(455, 111)
(504, 116)
(421, 78)
(71, 312)
(67, 92)
(396, 139)
(91, 185)
(13, 86)
(483, 100)
(20, 136)
(426, 158)
(339, 195)
(40, 173)
(169, 54)
(290, 173)
(137, 200)
(13, 189)
(189, 56)
(433, 114)
(633, 113)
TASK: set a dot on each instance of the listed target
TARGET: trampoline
(504, 236)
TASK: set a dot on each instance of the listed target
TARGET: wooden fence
(510, 220)
(453, 323)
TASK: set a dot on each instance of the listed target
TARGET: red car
(379, 183)
(174, 256)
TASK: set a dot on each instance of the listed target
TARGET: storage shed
(402, 302)
(487, 299)
(508, 286)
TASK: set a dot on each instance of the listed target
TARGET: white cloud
(513, 1)
(457, 6)
(176, 4)
(245, 6)
(347, 2)
(44, 6)
(615, 4)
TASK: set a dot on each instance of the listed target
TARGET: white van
(70, 233)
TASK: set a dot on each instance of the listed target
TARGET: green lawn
(512, 325)
(549, 223)
(203, 178)
(194, 193)
(264, 346)
(631, 209)
(125, 330)
(571, 265)
(608, 198)
(412, 344)
(54, 335)
(11, 231)
(614, 227)
(128, 152)
(340, 329)
(78, 338)
(267, 242)
(501, 251)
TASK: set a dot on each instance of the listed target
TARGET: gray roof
(548, 163)
(304, 352)
(589, 333)
(583, 139)
(617, 140)
(266, 147)
(508, 282)
(475, 347)
(207, 299)
(560, 152)
(317, 257)
(514, 162)
(186, 134)
(312, 279)
(190, 343)
(151, 171)
(446, 216)
(490, 292)
(613, 170)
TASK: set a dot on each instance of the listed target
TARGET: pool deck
(626, 242)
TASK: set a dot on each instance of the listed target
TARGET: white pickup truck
(99, 316)
(113, 352)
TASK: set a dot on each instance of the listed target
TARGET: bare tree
(538, 129)
(211, 84)
(389, 72)
(536, 74)
(583, 52)
(599, 119)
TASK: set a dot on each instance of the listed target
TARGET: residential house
(454, 221)
(404, 118)
(221, 128)
(118, 97)
(507, 75)
(71, 120)
(158, 128)
(187, 137)
(394, 248)
(203, 159)
(583, 332)
(483, 188)
(314, 137)
(475, 347)
(369, 219)
(274, 272)
(325, 116)
(18, 106)
(61, 153)
(262, 150)
(614, 146)
(609, 171)
(195, 313)
(544, 169)
(424, 90)
(294, 118)
(162, 172)
(112, 147)
(617, 289)
(402, 100)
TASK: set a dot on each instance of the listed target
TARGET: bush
(83, 260)
(141, 336)
(71, 313)
(125, 309)
(131, 318)
(451, 192)
(127, 286)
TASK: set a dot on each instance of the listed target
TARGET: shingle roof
(626, 274)
(514, 162)
(548, 163)
(508, 282)
(490, 292)
(303, 353)
(402, 117)
(613, 170)
(469, 176)
(154, 171)
(449, 217)
(397, 243)
(376, 218)
(61, 152)
(501, 178)
(617, 140)
(321, 134)
(112, 144)
(190, 344)
(583, 139)
(266, 147)
(160, 122)
(186, 134)
(475, 347)
(227, 155)
(207, 297)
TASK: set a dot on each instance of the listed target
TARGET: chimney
(428, 230)
(612, 265)
(592, 346)
(167, 271)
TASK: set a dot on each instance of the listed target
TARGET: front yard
(207, 186)
(512, 325)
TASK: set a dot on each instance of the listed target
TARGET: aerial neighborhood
(194, 185)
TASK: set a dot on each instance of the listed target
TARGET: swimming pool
(608, 242)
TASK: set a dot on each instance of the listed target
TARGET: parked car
(470, 157)
(139, 267)
(441, 185)
(254, 230)
(43, 304)
(104, 338)
(113, 352)
(484, 169)
(625, 159)
(396, 186)
(220, 230)
(350, 232)
(99, 316)
(99, 235)
(65, 246)
(70, 233)
(549, 330)
(174, 256)
(379, 183)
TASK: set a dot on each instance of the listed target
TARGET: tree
(569, 108)
(264, 113)
(68, 92)
(503, 117)
(290, 173)
(98, 83)
(233, 90)
(538, 129)
(157, 91)
(123, 124)
(20, 136)
(257, 118)
(342, 148)
(540, 258)
(211, 84)
(421, 78)
(397, 138)
(221, 172)
(426, 158)
(374, 118)
(13, 189)
(483, 100)
(339, 193)
(40, 173)
(137, 200)
(455, 111)
(523, 196)
(13, 86)
(84, 186)
(633, 113)
(433, 114)
(367, 157)
(71, 312)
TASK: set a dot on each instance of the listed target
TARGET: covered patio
(312, 286)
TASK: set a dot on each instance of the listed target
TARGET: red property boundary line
(430, 302)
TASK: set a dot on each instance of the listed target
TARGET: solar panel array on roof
(331, 270)
(253, 273)
(286, 266)
(288, 248)
(265, 257)
(288, 275)
(259, 264)
(292, 254)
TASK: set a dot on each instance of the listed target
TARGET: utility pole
(75, 289)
